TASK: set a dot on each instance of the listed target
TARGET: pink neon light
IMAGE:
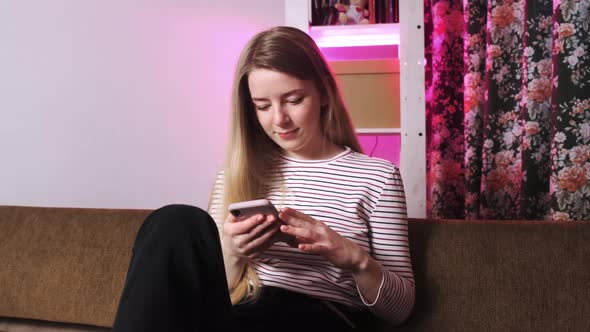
(355, 35)
(386, 146)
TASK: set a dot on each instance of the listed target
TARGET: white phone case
(246, 209)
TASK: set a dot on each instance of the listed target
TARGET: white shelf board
(378, 130)
(355, 35)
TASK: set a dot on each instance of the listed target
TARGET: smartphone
(246, 209)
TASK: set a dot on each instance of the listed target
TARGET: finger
(289, 220)
(256, 232)
(315, 248)
(245, 226)
(260, 228)
(303, 233)
(260, 243)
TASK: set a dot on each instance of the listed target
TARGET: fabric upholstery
(501, 276)
(68, 265)
(64, 264)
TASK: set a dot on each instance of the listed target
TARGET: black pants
(176, 282)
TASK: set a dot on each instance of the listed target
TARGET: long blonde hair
(250, 151)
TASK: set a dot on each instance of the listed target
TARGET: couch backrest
(500, 276)
(63, 264)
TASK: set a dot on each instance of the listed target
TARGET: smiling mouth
(287, 132)
(288, 135)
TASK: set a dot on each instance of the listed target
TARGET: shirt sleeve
(390, 247)
(215, 201)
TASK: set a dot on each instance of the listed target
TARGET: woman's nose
(280, 117)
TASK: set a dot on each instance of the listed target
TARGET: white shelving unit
(409, 34)
(412, 107)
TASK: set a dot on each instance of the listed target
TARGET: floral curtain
(508, 109)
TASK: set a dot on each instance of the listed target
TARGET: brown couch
(62, 269)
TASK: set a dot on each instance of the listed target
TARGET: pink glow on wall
(194, 67)
(386, 146)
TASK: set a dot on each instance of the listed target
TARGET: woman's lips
(288, 134)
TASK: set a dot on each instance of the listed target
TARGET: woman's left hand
(314, 236)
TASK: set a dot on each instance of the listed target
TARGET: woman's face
(289, 111)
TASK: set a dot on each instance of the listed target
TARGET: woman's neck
(324, 151)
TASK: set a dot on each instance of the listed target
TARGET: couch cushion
(64, 264)
(500, 276)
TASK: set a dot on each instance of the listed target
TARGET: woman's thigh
(282, 310)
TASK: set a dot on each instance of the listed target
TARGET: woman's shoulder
(369, 162)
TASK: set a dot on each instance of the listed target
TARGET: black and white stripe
(360, 197)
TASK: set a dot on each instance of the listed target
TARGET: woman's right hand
(249, 237)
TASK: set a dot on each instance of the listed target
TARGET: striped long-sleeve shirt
(360, 197)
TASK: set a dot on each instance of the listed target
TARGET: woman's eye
(295, 101)
(262, 107)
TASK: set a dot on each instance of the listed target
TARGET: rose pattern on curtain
(508, 109)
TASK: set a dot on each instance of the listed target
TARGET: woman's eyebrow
(286, 94)
(292, 92)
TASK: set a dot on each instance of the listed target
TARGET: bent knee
(182, 210)
(181, 219)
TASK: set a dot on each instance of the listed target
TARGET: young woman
(338, 253)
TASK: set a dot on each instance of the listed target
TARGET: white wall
(118, 103)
